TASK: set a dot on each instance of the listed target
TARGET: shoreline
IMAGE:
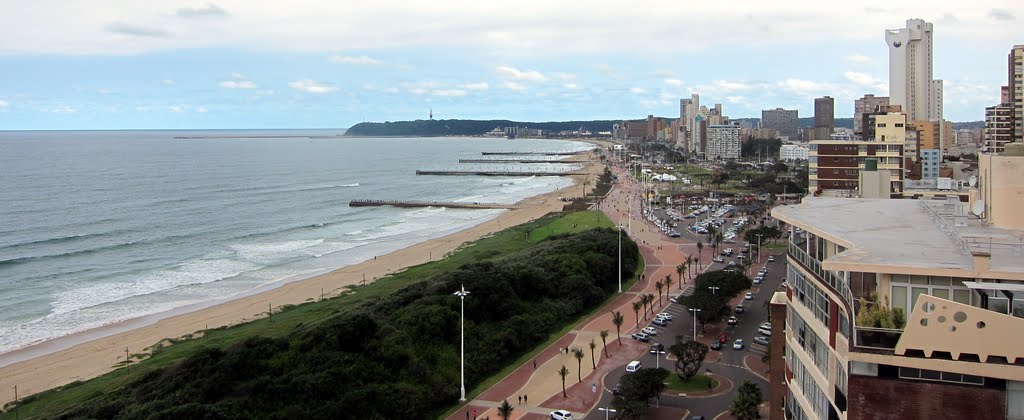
(90, 353)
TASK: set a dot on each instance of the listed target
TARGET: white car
(738, 344)
(560, 415)
(748, 296)
(771, 258)
(650, 331)
(733, 320)
(664, 315)
(766, 332)
(718, 259)
(766, 325)
(757, 280)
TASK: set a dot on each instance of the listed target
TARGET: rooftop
(905, 236)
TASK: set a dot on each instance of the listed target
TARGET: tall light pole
(759, 247)
(606, 411)
(695, 311)
(462, 329)
(620, 258)
(714, 289)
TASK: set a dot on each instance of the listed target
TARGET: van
(633, 366)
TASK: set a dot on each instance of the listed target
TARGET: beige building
(909, 309)
(927, 132)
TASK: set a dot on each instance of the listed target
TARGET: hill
(432, 128)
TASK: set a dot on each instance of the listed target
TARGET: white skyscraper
(910, 71)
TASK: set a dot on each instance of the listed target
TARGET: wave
(57, 240)
(21, 260)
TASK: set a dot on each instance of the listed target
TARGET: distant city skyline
(233, 64)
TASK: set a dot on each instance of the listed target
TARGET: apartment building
(833, 167)
(867, 104)
(785, 121)
(724, 142)
(903, 309)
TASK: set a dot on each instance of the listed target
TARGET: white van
(633, 366)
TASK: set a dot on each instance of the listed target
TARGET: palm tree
(679, 270)
(563, 372)
(578, 354)
(668, 284)
(700, 247)
(645, 300)
(636, 311)
(650, 301)
(659, 285)
(505, 410)
(617, 319)
(593, 346)
(689, 264)
(604, 339)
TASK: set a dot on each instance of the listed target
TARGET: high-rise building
(724, 142)
(824, 117)
(908, 309)
(869, 103)
(927, 132)
(1015, 91)
(833, 167)
(998, 127)
(791, 152)
(910, 71)
(785, 121)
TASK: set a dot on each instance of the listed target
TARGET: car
(617, 389)
(757, 280)
(765, 325)
(771, 258)
(633, 366)
(761, 340)
(741, 256)
(763, 270)
(732, 263)
(674, 300)
(748, 296)
(560, 415)
(715, 345)
(650, 331)
(641, 337)
(732, 320)
(722, 338)
(664, 315)
(739, 308)
(766, 332)
(718, 259)
(657, 348)
(661, 322)
(738, 344)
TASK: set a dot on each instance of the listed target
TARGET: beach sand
(92, 353)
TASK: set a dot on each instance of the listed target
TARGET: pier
(498, 173)
(530, 153)
(519, 161)
(408, 204)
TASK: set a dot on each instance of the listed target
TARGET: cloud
(210, 10)
(664, 73)
(176, 108)
(201, 109)
(361, 60)
(738, 100)
(572, 86)
(311, 86)
(390, 90)
(860, 59)
(564, 76)
(448, 92)
(238, 84)
(64, 109)
(1001, 14)
(475, 86)
(516, 74)
(673, 82)
(514, 86)
(637, 90)
(866, 80)
(134, 30)
(4, 104)
(167, 82)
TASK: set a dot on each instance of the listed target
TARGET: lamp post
(759, 247)
(695, 311)
(606, 411)
(462, 332)
(714, 289)
(620, 258)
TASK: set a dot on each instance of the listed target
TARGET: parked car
(771, 258)
(650, 331)
(718, 259)
(661, 322)
(657, 348)
(738, 344)
(715, 345)
(748, 296)
(757, 280)
(765, 325)
(641, 337)
(761, 340)
(763, 331)
(739, 308)
(732, 320)
(617, 389)
(732, 263)
(560, 415)
(633, 366)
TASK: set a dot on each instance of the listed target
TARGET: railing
(837, 283)
(876, 338)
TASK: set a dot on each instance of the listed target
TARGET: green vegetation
(713, 302)
(698, 383)
(873, 315)
(689, 356)
(748, 398)
(435, 128)
(637, 390)
(346, 357)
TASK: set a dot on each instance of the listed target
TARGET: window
(934, 375)
(880, 125)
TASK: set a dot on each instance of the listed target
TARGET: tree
(604, 339)
(578, 354)
(748, 398)
(563, 372)
(637, 390)
(505, 410)
(689, 357)
(700, 247)
(668, 284)
(643, 301)
(660, 285)
(636, 310)
(650, 303)
(593, 361)
(680, 269)
(689, 264)
(617, 319)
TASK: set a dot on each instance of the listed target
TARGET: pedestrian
(524, 399)
(520, 400)
(709, 387)
(474, 414)
(467, 414)
(534, 364)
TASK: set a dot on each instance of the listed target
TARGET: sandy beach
(92, 353)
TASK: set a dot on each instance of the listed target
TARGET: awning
(1013, 287)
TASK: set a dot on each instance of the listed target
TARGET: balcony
(876, 338)
(837, 284)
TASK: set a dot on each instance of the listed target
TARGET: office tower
(1015, 91)
(785, 121)
(824, 118)
(867, 104)
(723, 142)
(910, 71)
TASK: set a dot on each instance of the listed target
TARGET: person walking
(520, 400)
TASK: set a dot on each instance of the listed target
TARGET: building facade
(833, 167)
(931, 160)
(724, 142)
(906, 309)
(791, 152)
(910, 71)
(928, 133)
(1015, 91)
(824, 118)
(867, 104)
(785, 121)
(998, 127)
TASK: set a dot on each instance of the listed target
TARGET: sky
(129, 64)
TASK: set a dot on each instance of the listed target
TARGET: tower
(910, 71)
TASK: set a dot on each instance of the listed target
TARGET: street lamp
(462, 330)
(695, 311)
(606, 411)
(759, 247)
(714, 289)
(620, 258)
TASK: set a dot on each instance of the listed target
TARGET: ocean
(102, 226)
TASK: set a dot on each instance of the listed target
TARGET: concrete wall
(1001, 186)
(890, 398)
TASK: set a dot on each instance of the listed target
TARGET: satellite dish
(973, 180)
(978, 208)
